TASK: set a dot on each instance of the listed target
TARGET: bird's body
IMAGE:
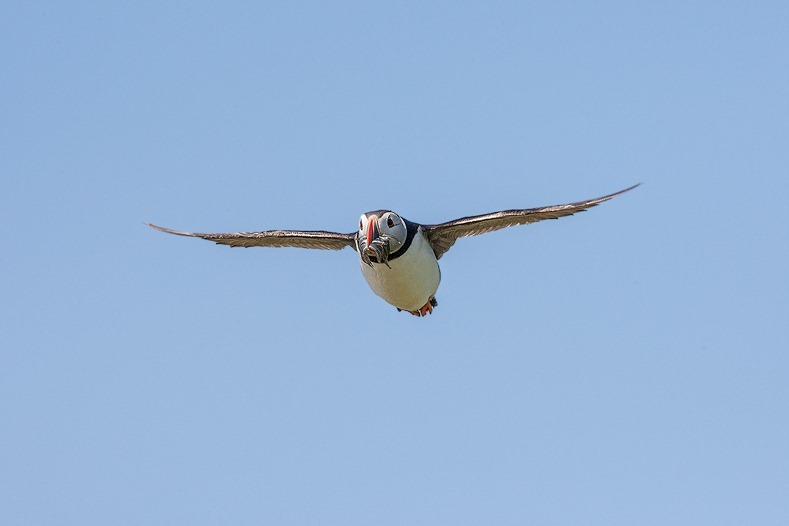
(411, 280)
(399, 258)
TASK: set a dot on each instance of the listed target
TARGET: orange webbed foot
(426, 309)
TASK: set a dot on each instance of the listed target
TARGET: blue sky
(624, 366)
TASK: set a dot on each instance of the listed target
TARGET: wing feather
(442, 236)
(318, 239)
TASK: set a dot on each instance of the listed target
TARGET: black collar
(411, 230)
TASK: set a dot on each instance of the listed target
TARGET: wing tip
(611, 196)
(168, 230)
(620, 192)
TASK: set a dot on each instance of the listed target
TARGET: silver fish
(379, 248)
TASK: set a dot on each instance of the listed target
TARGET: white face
(389, 225)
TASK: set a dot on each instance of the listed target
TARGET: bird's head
(380, 233)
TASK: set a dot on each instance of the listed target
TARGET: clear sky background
(628, 365)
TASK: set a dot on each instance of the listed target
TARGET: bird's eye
(390, 222)
(361, 224)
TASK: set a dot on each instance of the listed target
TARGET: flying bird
(398, 257)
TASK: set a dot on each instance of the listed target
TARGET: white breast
(413, 278)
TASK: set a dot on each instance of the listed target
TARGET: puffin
(398, 257)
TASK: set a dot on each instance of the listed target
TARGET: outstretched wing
(274, 238)
(441, 237)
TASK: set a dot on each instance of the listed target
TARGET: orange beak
(372, 229)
